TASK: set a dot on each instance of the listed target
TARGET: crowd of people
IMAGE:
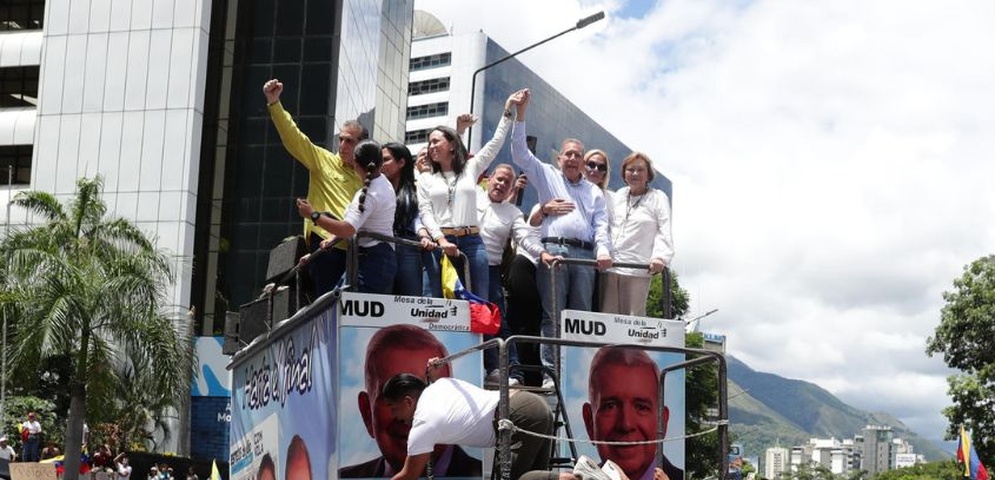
(435, 199)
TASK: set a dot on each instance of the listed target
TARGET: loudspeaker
(284, 257)
(231, 345)
(254, 320)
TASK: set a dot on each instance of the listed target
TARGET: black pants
(524, 311)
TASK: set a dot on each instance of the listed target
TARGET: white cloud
(829, 159)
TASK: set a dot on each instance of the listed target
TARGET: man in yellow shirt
(333, 182)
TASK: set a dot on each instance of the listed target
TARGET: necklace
(630, 205)
(452, 190)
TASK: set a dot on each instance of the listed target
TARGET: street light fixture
(473, 82)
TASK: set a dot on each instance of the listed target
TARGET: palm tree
(93, 289)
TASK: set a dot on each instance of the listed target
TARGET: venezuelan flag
(485, 317)
(967, 455)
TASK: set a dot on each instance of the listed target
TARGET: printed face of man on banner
(394, 350)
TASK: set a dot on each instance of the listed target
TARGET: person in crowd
(6, 451)
(598, 171)
(333, 182)
(499, 222)
(640, 234)
(51, 450)
(582, 233)
(267, 469)
(298, 460)
(623, 405)
(447, 200)
(122, 468)
(401, 348)
(451, 411)
(31, 433)
(523, 302)
(102, 460)
(399, 168)
(372, 210)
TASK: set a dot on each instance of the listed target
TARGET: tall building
(776, 461)
(163, 99)
(441, 76)
(876, 449)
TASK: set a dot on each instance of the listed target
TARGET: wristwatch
(315, 215)
(507, 113)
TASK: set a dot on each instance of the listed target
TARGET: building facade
(876, 448)
(776, 461)
(441, 77)
(163, 100)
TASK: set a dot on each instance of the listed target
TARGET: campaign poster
(381, 336)
(283, 407)
(611, 393)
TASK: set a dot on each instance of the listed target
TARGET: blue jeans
(496, 296)
(473, 248)
(574, 290)
(377, 269)
(408, 280)
(327, 268)
(31, 448)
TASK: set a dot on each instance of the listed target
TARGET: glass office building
(163, 99)
(442, 67)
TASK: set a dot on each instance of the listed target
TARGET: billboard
(283, 407)
(611, 393)
(379, 337)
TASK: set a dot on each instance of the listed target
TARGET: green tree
(964, 337)
(93, 290)
(946, 470)
(701, 385)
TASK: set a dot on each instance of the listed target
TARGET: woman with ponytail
(372, 210)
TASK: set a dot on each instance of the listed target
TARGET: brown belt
(460, 231)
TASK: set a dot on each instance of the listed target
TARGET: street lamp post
(473, 82)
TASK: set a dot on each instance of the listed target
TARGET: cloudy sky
(830, 161)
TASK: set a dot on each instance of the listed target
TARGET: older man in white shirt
(580, 233)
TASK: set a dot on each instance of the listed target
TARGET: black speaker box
(284, 257)
(254, 320)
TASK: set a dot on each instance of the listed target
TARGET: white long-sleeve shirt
(641, 230)
(448, 200)
(587, 222)
(501, 221)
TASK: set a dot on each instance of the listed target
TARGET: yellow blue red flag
(967, 455)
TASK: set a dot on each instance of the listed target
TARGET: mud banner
(381, 336)
(612, 393)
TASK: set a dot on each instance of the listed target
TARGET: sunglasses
(601, 167)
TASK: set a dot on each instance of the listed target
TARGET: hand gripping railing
(352, 264)
(665, 298)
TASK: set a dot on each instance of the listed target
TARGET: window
(19, 87)
(21, 14)
(417, 136)
(431, 61)
(15, 164)
(429, 86)
(431, 110)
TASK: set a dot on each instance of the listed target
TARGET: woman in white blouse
(447, 199)
(640, 233)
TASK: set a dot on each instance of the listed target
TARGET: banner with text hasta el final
(967, 455)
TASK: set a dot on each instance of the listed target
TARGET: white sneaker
(586, 469)
(548, 383)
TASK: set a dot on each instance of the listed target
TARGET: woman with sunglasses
(447, 200)
(640, 234)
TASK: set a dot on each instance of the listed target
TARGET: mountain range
(767, 410)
